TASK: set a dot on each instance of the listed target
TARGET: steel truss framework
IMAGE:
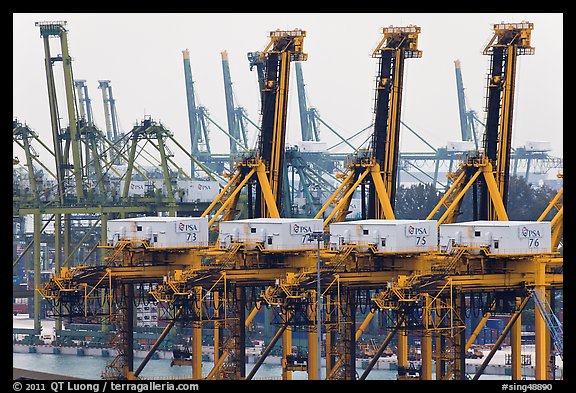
(422, 293)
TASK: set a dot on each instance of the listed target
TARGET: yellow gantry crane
(491, 166)
(377, 166)
(266, 163)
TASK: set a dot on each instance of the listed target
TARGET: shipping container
(161, 231)
(394, 236)
(141, 188)
(460, 146)
(271, 233)
(539, 146)
(199, 191)
(499, 237)
(312, 146)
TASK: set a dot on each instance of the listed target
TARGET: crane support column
(197, 335)
(402, 354)
(58, 256)
(313, 347)
(103, 255)
(426, 341)
(286, 345)
(37, 270)
(329, 337)
(540, 328)
(217, 328)
(516, 345)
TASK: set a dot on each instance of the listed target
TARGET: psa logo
(416, 231)
(182, 227)
(202, 187)
(531, 233)
(300, 229)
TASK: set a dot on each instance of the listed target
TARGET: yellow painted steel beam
(498, 281)
(346, 197)
(286, 345)
(450, 210)
(365, 323)
(232, 181)
(279, 133)
(516, 345)
(220, 196)
(383, 195)
(230, 198)
(216, 334)
(197, 337)
(540, 329)
(313, 348)
(447, 194)
(267, 193)
(557, 225)
(426, 342)
(402, 346)
(390, 162)
(505, 134)
(330, 200)
(553, 203)
(497, 203)
(480, 325)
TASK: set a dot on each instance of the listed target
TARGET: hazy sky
(141, 54)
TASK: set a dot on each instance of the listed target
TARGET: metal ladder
(552, 322)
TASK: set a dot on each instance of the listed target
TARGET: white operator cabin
(272, 233)
(501, 237)
(386, 235)
(161, 231)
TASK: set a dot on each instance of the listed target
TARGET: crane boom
(285, 46)
(58, 30)
(508, 42)
(465, 131)
(265, 165)
(397, 44)
(233, 126)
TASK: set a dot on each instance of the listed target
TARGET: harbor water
(91, 366)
